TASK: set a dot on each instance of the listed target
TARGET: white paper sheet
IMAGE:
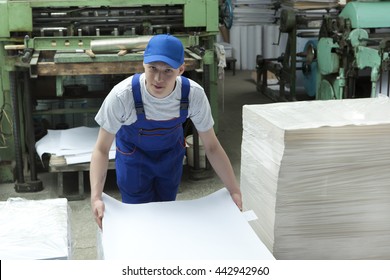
(75, 144)
(209, 228)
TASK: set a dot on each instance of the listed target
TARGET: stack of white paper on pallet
(34, 229)
(317, 176)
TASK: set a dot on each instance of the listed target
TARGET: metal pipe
(195, 138)
(16, 128)
(388, 83)
(206, 85)
(113, 45)
(21, 185)
(30, 135)
(195, 135)
(56, 29)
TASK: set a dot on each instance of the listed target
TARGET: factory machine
(298, 25)
(353, 52)
(349, 58)
(59, 50)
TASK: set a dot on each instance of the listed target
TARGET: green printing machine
(45, 45)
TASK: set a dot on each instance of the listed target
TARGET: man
(144, 114)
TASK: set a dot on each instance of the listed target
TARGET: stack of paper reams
(317, 175)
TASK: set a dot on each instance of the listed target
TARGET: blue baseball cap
(165, 48)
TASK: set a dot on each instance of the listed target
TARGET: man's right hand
(98, 211)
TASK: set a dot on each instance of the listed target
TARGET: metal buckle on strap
(139, 109)
(184, 105)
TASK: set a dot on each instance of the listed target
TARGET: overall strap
(185, 91)
(138, 104)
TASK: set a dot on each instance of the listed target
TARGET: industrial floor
(236, 91)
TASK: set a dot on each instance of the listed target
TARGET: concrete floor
(236, 91)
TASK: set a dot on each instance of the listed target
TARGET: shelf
(64, 111)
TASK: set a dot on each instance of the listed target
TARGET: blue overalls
(149, 153)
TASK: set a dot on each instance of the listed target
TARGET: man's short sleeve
(117, 108)
(199, 109)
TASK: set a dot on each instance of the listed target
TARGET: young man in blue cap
(144, 114)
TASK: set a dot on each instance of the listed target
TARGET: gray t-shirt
(118, 107)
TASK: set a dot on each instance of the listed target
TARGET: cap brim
(160, 58)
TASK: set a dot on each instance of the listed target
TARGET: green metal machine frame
(357, 39)
(352, 40)
(26, 55)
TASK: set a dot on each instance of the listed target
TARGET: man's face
(161, 78)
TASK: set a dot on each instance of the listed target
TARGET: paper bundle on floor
(317, 176)
(209, 228)
(34, 229)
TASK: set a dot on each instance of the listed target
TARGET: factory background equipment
(350, 46)
(348, 58)
(54, 53)
(299, 26)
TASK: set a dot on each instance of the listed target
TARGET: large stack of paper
(34, 229)
(317, 175)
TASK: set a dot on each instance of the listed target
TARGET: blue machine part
(226, 13)
(310, 68)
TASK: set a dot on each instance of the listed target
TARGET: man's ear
(181, 69)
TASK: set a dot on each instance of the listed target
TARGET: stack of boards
(316, 173)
